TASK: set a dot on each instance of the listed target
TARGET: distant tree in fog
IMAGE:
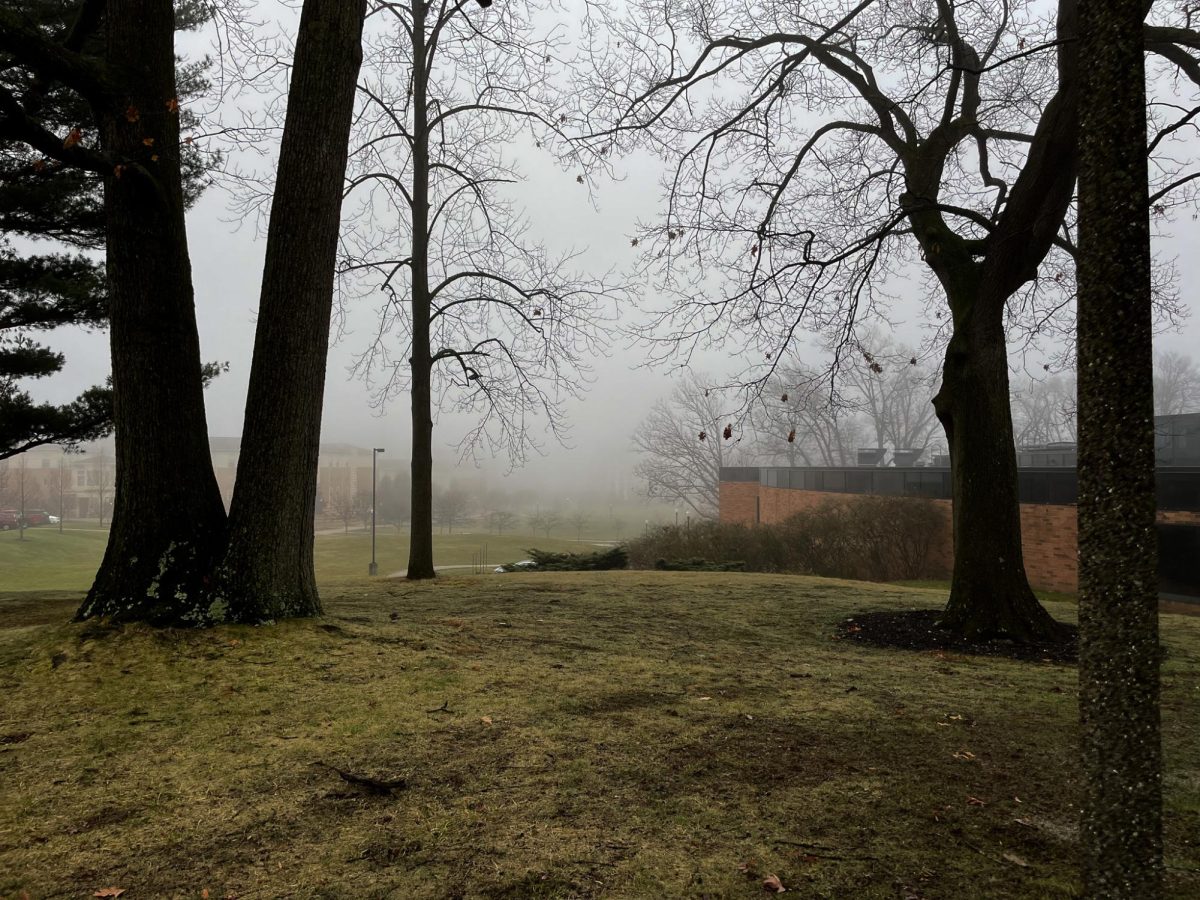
(544, 521)
(579, 521)
(500, 519)
(880, 397)
(450, 508)
(1043, 410)
(1176, 384)
(683, 446)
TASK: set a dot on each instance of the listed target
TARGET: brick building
(1048, 512)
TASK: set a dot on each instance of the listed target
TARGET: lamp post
(374, 567)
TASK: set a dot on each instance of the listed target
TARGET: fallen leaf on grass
(975, 801)
(109, 892)
(964, 754)
(773, 885)
(1014, 859)
(747, 868)
(486, 720)
(704, 698)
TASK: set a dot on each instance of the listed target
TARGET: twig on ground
(370, 785)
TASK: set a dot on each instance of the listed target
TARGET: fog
(227, 260)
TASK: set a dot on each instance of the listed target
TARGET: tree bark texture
(990, 596)
(267, 572)
(167, 518)
(420, 550)
(1121, 824)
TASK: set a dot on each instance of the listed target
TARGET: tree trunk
(420, 547)
(1121, 824)
(167, 518)
(267, 572)
(990, 596)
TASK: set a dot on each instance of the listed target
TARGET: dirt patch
(917, 629)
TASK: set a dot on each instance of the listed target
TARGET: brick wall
(1048, 533)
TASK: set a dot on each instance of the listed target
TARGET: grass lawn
(623, 734)
(47, 560)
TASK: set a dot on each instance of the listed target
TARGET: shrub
(613, 558)
(870, 538)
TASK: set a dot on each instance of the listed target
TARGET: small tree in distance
(544, 521)
(579, 521)
(500, 519)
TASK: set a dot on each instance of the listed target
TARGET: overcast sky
(227, 261)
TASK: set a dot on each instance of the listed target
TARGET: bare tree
(800, 421)
(880, 395)
(895, 392)
(684, 442)
(579, 520)
(1043, 410)
(450, 508)
(941, 132)
(500, 519)
(343, 504)
(544, 521)
(1176, 384)
(474, 315)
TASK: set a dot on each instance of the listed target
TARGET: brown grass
(650, 735)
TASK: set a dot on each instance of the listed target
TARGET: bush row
(869, 538)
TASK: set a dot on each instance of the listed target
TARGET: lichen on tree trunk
(1121, 822)
(167, 518)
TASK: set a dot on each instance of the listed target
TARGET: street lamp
(374, 568)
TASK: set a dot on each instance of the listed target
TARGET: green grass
(623, 734)
(47, 560)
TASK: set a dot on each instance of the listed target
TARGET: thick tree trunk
(267, 571)
(990, 596)
(1121, 825)
(420, 547)
(167, 518)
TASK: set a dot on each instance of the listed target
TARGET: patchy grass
(616, 734)
(47, 560)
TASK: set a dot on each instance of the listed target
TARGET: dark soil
(917, 629)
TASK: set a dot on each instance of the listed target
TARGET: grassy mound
(619, 734)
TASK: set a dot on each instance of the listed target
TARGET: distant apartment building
(79, 484)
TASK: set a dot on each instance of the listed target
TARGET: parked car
(35, 517)
(516, 567)
(9, 518)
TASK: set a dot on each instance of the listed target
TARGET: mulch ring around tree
(917, 629)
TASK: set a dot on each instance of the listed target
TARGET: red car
(9, 518)
(36, 517)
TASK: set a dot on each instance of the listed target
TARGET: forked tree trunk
(1121, 824)
(420, 546)
(167, 519)
(990, 596)
(267, 572)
